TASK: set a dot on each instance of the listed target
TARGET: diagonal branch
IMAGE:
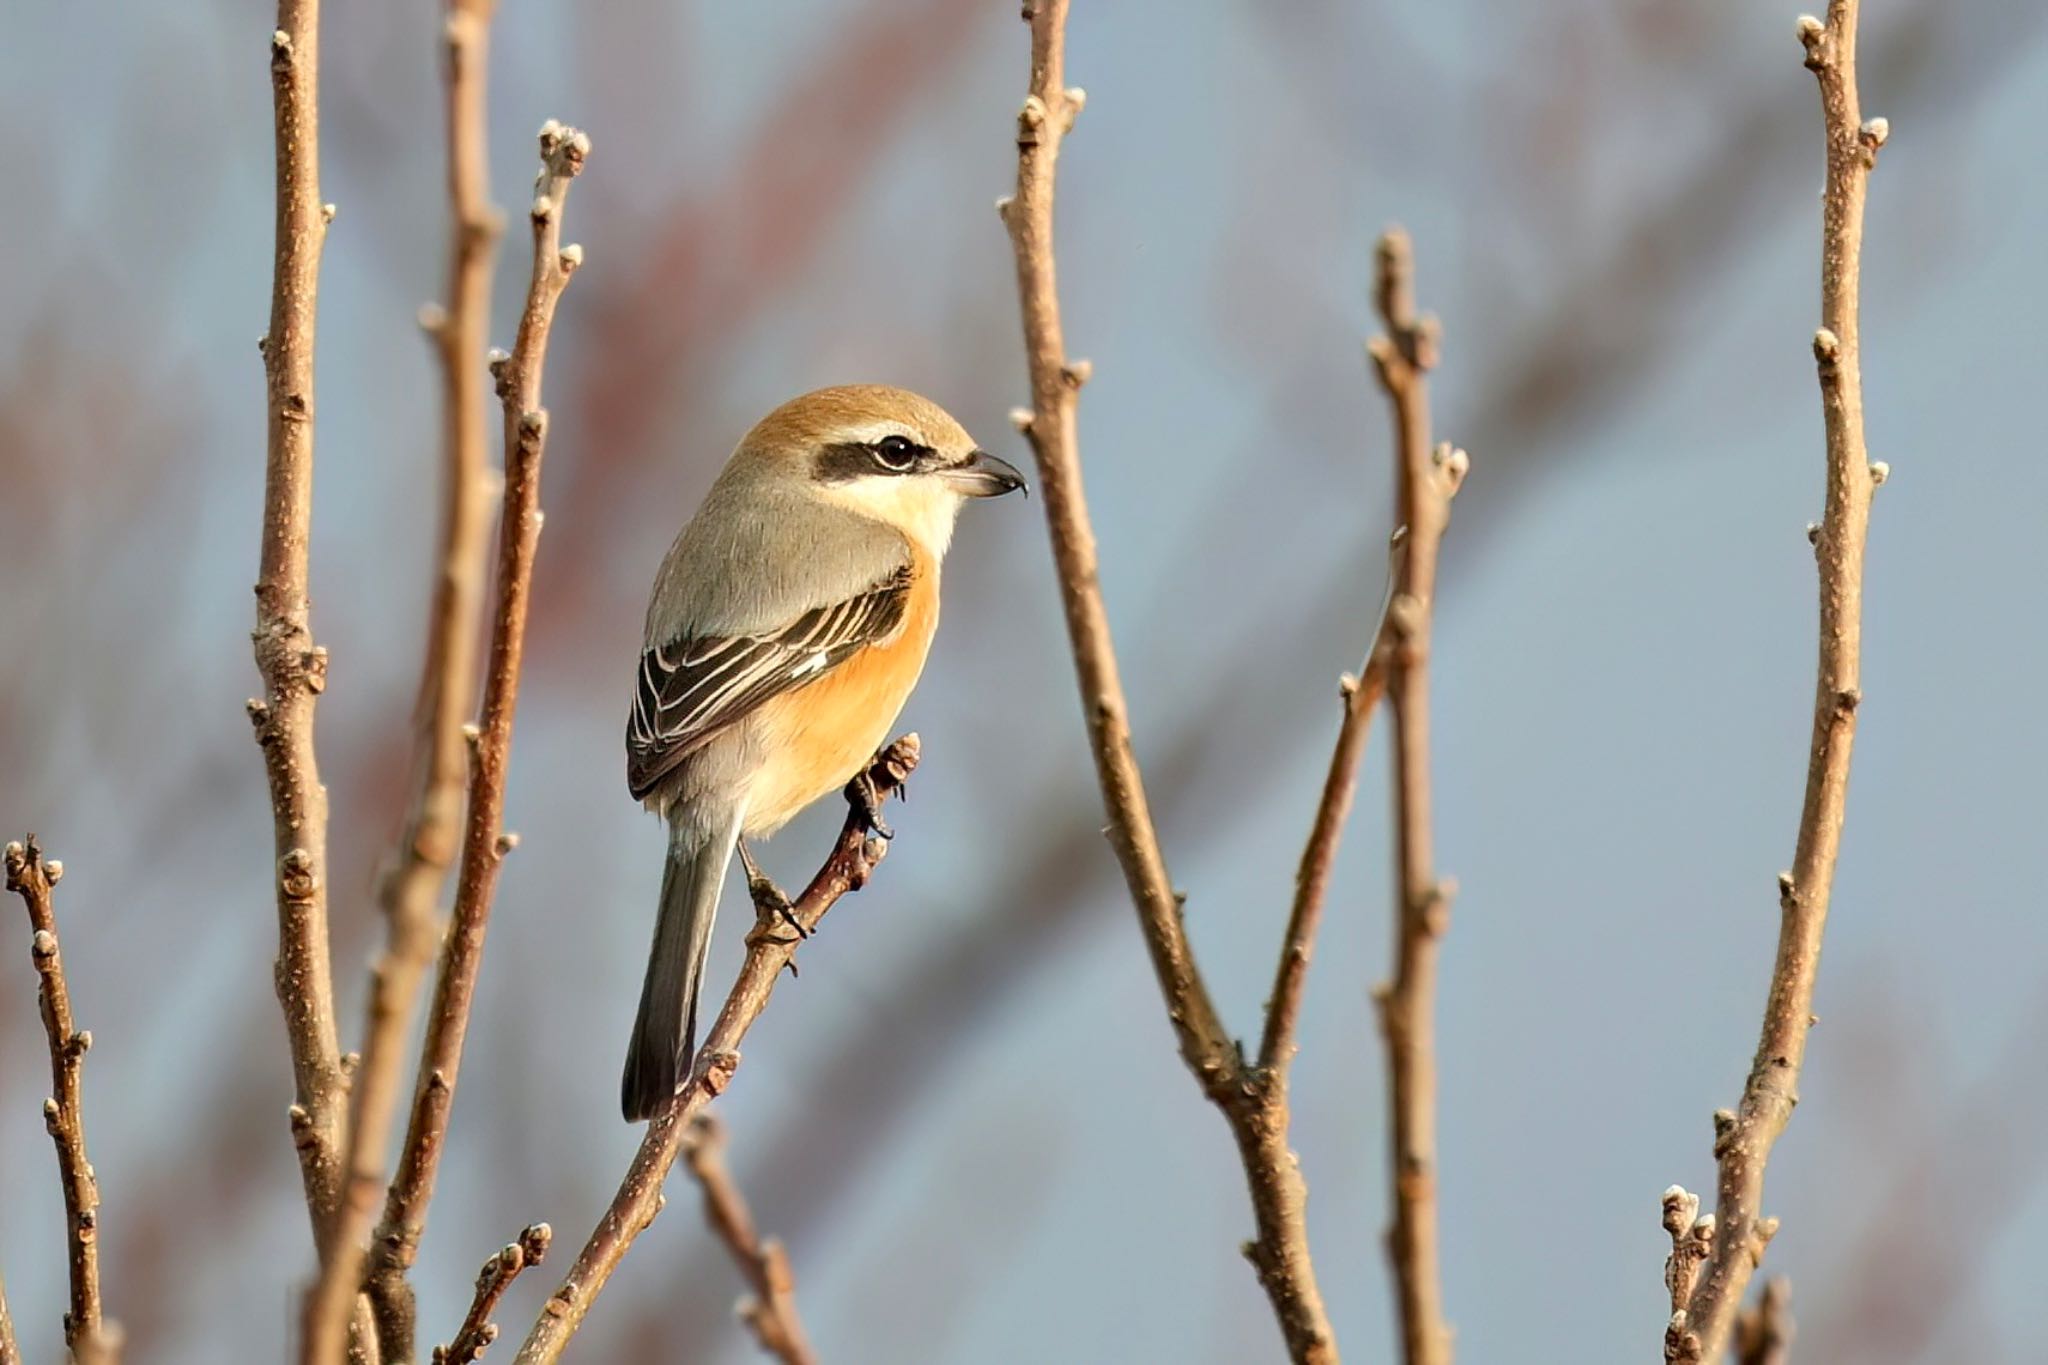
(1253, 1100)
(852, 861)
(1426, 477)
(478, 1331)
(771, 1313)
(1743, 1137)
(294, 669)
(485, 842)
(33, 879)
(433, 823)
(1359, 696)
(10, 1349)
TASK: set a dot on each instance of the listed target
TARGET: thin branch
(10, 1349)
(294, 669)
(1692, 1241)
(478, 1331)
(1743, 1137)
(769, 949)
(1360, 696)
(1426, 477)
(33, 879)
(1763, 1332)
(427, 844)
(562, 152)
(771, 1313)
(1253, 1101)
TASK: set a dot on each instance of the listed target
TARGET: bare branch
(1359, 697)
(33, 879)
(10, 1349)
(1692, 1241)
(427, 844)
(478, 1331)
(1426, 477)
(485, 843)
(1744, 1137)
(769, 949)
(294, 669)
(771, 1313)
(1763, 1332)
(1254, 1101)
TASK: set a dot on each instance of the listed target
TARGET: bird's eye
(895, 453)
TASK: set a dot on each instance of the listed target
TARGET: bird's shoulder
(755, 559)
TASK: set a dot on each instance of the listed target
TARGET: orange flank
(819, 735)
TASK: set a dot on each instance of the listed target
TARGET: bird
(787, 626)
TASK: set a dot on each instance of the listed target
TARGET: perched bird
(788, 625)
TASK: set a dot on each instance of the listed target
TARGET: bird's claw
(867, 800)
(770, 904)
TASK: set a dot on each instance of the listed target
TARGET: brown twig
(1692, 1241)
(1743, 1137)
(478, 1331)
(427, 844)
(1763, 1332)
(769, 949)
(485, 843)
(10, 1349)
(294, 669)
(771, 1313)
(31, 878)
(1360, 696)
(1253, 1100)
(1426, 477)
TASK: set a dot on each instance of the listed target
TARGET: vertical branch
(1253, 1100)
(1744, 1136)
(477, 1332)
(294, 669)
(485, 843)
(847, 868)
(33, 879)
(433, 822)
(771, 1313)
(1425, 480)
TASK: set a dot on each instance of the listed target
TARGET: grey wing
(693, 687)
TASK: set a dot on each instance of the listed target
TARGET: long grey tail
(665, 1031)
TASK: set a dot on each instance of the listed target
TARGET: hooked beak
(985, 476)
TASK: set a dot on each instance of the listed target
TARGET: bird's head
(882, 452)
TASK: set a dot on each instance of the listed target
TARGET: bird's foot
(770, 905)
(867, 799)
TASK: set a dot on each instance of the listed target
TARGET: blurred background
(967, 1120)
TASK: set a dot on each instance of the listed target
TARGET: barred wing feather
(693, 687)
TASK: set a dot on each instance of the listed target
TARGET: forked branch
(1253, 1098)
(411, 883)
(478, 1331)
(485, 841)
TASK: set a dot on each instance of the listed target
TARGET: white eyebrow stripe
(868, 433)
